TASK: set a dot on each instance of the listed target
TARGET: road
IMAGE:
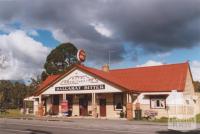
(84, 126)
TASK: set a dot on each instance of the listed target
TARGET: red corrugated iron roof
(163, 78)
(50, 79)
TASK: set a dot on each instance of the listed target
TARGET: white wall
(143, 100)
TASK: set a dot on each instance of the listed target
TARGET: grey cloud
(154, 25)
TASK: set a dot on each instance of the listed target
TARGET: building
(115, 93)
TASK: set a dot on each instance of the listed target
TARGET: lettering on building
(78, 88)
(78, 80)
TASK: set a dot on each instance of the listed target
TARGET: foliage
(150, 114)
(59, 59)
(196, 86)
(13, 93)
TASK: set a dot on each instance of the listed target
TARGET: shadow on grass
(178, 132)
(38, 132)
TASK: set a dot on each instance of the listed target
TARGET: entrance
(69, 98)
(55, 106)
(102, 103)
(83, 106)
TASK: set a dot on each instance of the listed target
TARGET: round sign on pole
(81, 55)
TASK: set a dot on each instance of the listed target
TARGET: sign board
(81, 55)
(64, 106)
(78, 88)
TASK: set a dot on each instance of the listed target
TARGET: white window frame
(154, 102)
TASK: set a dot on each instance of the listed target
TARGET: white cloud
(150, 63)
(33, 33)
(195, 69)
(101, 29)
(21, 57)
(59, 35)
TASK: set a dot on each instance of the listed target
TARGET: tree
(13, 93)
(59, 59)
(6, 92)
(196, 86)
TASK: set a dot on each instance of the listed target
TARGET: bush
(150, 114)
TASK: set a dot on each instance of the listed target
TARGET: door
(55, 106)
(102, 107)
(70, 104)
(83, 106)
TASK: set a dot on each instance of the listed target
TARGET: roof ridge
(149, 66)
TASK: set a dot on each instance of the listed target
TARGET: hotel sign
(78, 80)
(79, 88)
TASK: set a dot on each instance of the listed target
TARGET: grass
(198, 118)
(165, 119)
(12, 113)
(161, 120)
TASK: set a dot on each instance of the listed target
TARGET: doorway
(83, 106)
(102, 103)
(55, 106)
(69, 98)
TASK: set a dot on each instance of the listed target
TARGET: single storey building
(105, 93)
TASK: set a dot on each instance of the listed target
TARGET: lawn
(12, 113)
(198, 118)
(165, 119)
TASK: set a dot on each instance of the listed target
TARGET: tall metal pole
(109, 52)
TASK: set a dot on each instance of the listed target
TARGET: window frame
(114, 101)
(156, 99)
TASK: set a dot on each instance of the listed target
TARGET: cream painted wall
(189, 87)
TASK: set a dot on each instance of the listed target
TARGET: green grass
(161, 120)
(12, 113)
(198, 118)
(165, 119)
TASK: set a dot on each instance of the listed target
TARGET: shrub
(150, 114)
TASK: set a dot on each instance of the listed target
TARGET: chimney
(105, 68)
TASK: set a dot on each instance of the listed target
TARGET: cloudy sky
(133, 32)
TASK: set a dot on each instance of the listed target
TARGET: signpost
(81, 55)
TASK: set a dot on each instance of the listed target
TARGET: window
(118, 101)
(157, 103)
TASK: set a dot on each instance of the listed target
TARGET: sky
(132, 33)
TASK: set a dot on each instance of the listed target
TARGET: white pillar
(94, 107)
(40, 99)
(64, 97)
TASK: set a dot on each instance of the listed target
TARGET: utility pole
(109, 52)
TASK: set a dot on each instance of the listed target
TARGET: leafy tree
(59, 59)
(197, 86)
(13, 93)
(6, 92)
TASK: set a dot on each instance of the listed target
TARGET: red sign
(81, 55)
(64, 106)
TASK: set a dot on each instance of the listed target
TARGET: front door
(55, 106)
(102, 107)
(83, 105)
(70, 104)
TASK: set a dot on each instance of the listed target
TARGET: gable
(189, 87)
(79, 82)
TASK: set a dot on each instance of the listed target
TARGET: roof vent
(105, 68)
